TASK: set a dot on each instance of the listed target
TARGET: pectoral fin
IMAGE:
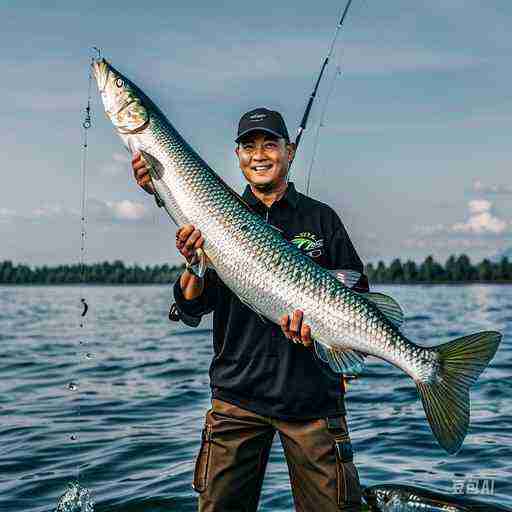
(340, 361)
(348, 277)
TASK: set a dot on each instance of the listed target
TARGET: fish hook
(98, 52)
(86, 307)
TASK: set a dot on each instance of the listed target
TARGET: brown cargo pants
(234, 451)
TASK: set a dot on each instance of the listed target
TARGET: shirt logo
(309, 243)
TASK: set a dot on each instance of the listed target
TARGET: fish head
(123, 101)
(380, 499)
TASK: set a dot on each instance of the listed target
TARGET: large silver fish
(274, 277)
(405, 498)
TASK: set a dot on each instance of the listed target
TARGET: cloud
(120, 211)
(473, 233)
(453, 244)
(120, 164)
(481, 220)
(97, 210)
(479, 187)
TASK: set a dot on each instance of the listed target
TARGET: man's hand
(188, 239)
(294, 329)
(141, 173)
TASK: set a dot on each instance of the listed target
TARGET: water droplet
(75, 499)
(72, 386)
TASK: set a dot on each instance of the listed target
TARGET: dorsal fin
(388, 306)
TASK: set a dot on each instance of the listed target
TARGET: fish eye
(119, 82)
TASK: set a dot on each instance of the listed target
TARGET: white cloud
(51, 211)
(429, 230)
(453, 244)
(97, 210)
(128, 210)
(481, 220)
(120, 164)
(120, 211)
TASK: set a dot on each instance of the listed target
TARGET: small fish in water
(273, 277)
(405, 498)
(75, 499)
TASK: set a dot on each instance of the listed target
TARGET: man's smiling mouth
(261, 168)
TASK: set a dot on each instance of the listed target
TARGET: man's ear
(291, 151)
(237, 151)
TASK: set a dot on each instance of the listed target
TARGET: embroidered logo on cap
(257, 117)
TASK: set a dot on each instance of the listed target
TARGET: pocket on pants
(349, 489)
(200, 481)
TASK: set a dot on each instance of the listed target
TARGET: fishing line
(321, 124)
(307, 111)
(86, 125)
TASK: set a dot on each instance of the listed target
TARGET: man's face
(264, 159)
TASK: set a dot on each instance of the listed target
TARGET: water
(140, 385)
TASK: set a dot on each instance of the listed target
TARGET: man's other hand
(294, 329)
(188, 240)
(141, 173)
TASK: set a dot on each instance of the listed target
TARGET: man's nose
(259, 153)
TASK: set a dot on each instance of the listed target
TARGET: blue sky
(414, 153)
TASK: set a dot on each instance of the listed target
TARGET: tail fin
(446, 401)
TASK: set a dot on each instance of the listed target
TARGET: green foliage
(456, 270)
(96, 273)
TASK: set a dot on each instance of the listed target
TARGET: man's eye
(247, 147)
(271, 145)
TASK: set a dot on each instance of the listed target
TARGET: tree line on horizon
(455, 270)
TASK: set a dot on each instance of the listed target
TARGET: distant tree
(485, 270)
(396, 272)
(504, 270)
(464, 269)
(430, 271)
(381, 275)
(410, 272)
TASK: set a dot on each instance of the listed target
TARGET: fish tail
(446, 400)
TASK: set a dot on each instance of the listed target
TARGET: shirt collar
(290, 196)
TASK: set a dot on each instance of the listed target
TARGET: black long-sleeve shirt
(254, 365)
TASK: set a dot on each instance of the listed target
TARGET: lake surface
(119, 404)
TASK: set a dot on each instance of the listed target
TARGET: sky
(413, 151)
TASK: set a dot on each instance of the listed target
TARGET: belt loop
(344, 450)
(342, 443)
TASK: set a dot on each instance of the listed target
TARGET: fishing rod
(305, 117)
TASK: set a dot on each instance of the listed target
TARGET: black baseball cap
(263, 119)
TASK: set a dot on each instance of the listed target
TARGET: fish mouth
(100, 70)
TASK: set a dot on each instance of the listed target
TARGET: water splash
(75, 499)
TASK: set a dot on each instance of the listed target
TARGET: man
(261, 382)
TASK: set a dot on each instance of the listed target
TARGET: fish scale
(274, 277)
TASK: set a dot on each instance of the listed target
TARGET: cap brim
(259, 129)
